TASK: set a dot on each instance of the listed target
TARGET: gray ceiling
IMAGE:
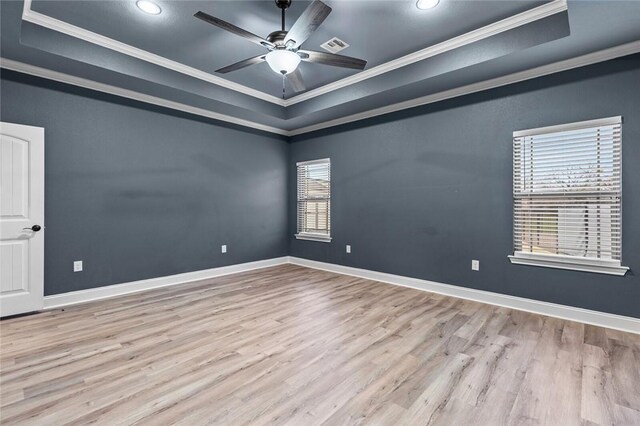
(587, 26)
(377, 31)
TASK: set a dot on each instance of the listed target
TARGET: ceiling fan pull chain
(283, 78)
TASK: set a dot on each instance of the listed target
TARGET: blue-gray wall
(424, 191)
(139, 192)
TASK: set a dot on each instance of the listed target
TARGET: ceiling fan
(285, 54)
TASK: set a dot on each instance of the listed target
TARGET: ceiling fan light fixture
(148, 7)
(427, 4)
(283, 61)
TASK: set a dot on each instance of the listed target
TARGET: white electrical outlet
(475, 265)
(77, 266)
(348, 248)
(224, 248)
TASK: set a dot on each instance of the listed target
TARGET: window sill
(314, 237)
(568, 262)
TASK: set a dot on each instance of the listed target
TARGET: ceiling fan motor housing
(277, 37)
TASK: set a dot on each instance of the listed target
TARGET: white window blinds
(314, 200)
(567, 189)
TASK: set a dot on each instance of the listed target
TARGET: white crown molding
(532, 15)
(106, 292)
(130, 94)
(109, 43)
(580, 61)
(586, 316)
(490, 30)
(577, 62)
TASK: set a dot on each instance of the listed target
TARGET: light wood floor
(299, 346)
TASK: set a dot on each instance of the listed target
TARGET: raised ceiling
(377, 31)
(169, 59)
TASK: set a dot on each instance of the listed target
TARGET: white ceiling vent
(334, 45)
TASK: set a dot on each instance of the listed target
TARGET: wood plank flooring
(291, 345)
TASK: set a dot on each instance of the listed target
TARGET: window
(567, 189)
(314, 200)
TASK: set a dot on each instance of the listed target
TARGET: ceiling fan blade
(241, 64)
(233, 29)
(296, 82)
(307, 23)
(332, 59)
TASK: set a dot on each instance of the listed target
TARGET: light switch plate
(77, 266)
(348, 248)
(224, 248)
(475, 265)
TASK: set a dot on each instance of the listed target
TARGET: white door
(21, 219)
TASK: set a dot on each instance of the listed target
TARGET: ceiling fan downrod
(283, 5)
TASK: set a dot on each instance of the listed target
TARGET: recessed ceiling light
(148, 7)
(427, 4)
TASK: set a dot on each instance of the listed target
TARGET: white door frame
(31, 299)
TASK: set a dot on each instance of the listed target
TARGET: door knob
(34, 228)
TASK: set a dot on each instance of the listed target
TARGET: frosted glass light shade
(283, 61)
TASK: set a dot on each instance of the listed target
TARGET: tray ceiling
(414, 56)
(378, 31)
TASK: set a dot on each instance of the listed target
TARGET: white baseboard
(602, 319)
(106, 292)
(586, 316)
